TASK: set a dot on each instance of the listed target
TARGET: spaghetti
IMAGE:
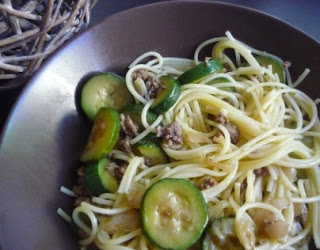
(268, 179)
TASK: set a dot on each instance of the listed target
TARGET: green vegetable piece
(104, 90)
(173, 214)
(277, 66)
(200, 71)
(134, 112)
(98, 179)
(103, 136)
(221, 235)
(152, 137)
(222, 80)
(152, 152)
(167, 95)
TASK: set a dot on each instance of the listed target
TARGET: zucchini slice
(152, 137)
(221, 235)
(167, 95)
(222, 80)
(277, 66)
(173, 214)
(152, 152)
(103, 136)
(200, 71)
(134, 112)
(98, 179)
(104, 90)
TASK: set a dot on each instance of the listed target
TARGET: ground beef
(140, 73)
(230, 126)
(171, 134)
(147, 161)
(221, 119)
(261, 172)
(124, 145)
(233, 131)
(128, 130)
(227, 67)
(79, 199)
(128, 127)
(301, 213)
(243, 185)
(80, 189)
(206, 183)
(117, 170)
(83, 194)
(153, 86)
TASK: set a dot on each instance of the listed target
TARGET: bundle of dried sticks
(30, 30)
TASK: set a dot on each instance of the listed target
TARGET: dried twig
(32, 29)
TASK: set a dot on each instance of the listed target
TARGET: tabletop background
(304, 15)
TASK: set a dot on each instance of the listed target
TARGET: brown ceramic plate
(44, 136)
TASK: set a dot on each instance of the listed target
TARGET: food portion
(221, 234)
(220, 152)
(103, 136)
(173, 214)
(104, 90)
(98, 179)
(202, 70)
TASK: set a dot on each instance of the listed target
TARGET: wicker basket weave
(30, 30)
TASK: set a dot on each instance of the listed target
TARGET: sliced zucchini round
(104, 90)
(103, 136)
(97, 178)
(200, 71)
(173, 214)
(167, 95)
(152, 152)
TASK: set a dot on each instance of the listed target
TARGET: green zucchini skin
(103, 136)
(97, 178)
(152, 151)
(167, 96)
(200, 71)
(173, 214)
(134, 112)
(277, 66)
(104, 90)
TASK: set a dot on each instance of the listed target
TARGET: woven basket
(30, 30)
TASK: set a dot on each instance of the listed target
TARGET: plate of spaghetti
(186, 134)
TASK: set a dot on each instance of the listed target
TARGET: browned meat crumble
(152, 84)
(261, 172)
(170, 134)
(128, 127)
(207, 182)
(230, 126)
(117, 170)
